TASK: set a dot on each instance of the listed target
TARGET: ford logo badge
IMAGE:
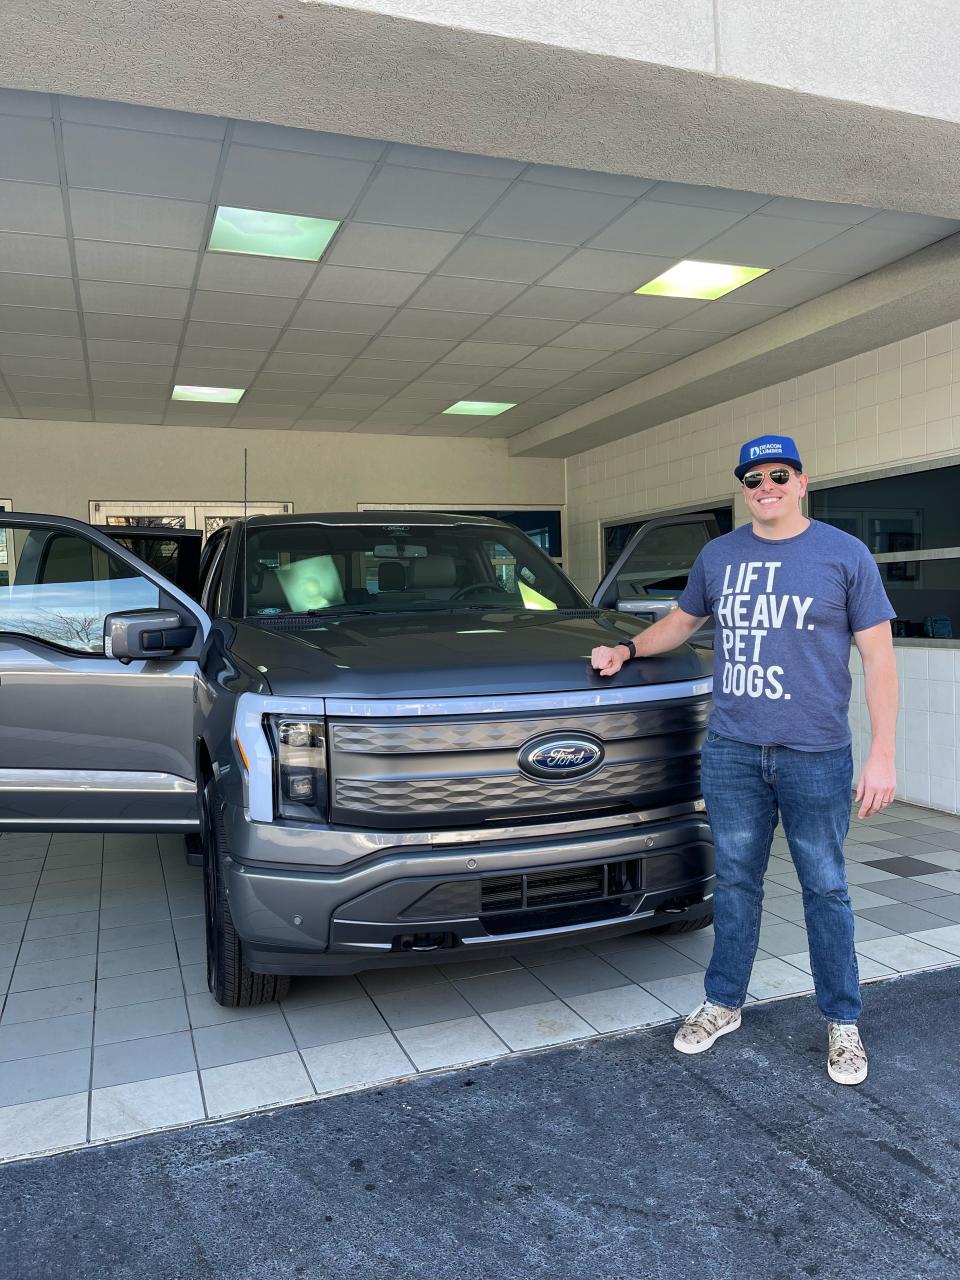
(560, 757)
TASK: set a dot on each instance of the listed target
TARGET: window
(61, 587)
(911, 524)
(616, 536)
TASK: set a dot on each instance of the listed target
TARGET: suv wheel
(230, 982)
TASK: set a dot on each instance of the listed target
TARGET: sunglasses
(754, 479)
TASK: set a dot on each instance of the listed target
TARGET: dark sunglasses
(754, 479)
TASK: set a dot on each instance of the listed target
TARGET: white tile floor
(107, 1029)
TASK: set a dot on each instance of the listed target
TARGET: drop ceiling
(452, 276)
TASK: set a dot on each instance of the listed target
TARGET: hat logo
(759, 449)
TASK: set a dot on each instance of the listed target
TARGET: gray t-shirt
(785, 612)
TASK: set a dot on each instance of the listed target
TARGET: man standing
(787, 594)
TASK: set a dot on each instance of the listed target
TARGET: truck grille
(430, 772)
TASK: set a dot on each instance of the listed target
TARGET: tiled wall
(895, 405)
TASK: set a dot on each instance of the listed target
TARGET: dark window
(616, 536)
(541, 527)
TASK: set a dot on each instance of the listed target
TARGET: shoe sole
(847, 1079)
(709, 1043)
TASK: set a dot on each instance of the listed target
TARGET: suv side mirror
(146, 633)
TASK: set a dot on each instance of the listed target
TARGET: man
(787, 593)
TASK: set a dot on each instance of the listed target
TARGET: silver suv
(384, 728)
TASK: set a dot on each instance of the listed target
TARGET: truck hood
(468, 653)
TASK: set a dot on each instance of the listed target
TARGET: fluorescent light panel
(270, 235)
(482, 408)
(209, 395)
(707, 280)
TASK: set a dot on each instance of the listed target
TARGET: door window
(660, 565)
(61, 587)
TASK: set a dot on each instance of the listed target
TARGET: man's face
(769, 501)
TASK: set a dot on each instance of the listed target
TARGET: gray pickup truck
(384, 728)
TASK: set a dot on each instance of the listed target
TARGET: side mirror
(146, 633)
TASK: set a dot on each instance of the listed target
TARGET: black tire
(229, 980)
(687, 926)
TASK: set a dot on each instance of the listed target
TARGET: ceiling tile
(235, 273)
(261, 397)
(530, 378)
(150, 164)
(859, 250)
(453, 161)
(198, 415)
(342, 317)
(759, 241)
(291, 182)
(37, 291)
(124, 115)
(522, 329)
(601, 337)
(672, 230)
(560, 304)
(532, 212)
(435, 201)
(135, 264)
(598, 270)
(284, 363)
(402, 371)
(39, 255)
(346, 405)
(39, 320)
(615, 184)
(134, 299)
(468, 375)
(144, 375)
(635, 362)
(66, 409)
(488, 258)
(241, 308)
(31, 208)
(361, 284)
(649, 312)
(134, 328)
(311, 423)
(817, 210)
(322, 342)
(293, 382)
(675, 342)
(501, 390)
(28, 150)
(560, 358)
(39, 388)
(599, 383)
(707, 197)
(133, 352)
(788, 288)
(360, 244)
(356, 389)
(412, 322)
(451, 425)
(21, 102)
(425, 350)
(435, 396)
(281, 419)
(393, 414)
(43, 367)
(247, 337)
(283, 138)
(449, 293)
(194, 375)
(173, 224)
(919, 224)
(487, 353)
(38, 344)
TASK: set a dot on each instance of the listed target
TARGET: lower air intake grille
(557, 888)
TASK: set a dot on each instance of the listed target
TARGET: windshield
(311, 568)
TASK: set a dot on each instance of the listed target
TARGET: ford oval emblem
(560, 757)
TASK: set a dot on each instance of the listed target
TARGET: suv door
(89, 740)
(652, 570)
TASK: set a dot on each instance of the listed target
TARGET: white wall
(58, 467)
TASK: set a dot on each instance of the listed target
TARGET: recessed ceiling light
(209, 395)
(706, 280)
(485, 408)
(270, 235)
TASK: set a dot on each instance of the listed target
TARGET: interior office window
(911, 524)
(616, 536)
(541, 527)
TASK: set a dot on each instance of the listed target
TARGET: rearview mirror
(146, 633)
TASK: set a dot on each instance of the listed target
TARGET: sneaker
(846, 1056)
(705, 1026)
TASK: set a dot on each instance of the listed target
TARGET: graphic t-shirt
(785, 612)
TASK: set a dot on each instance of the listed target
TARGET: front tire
(229, 980)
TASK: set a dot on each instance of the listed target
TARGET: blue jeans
(745, 787)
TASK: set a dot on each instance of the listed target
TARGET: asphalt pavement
(616, 1159)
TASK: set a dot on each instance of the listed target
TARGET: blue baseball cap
(767, 449)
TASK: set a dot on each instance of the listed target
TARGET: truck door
(89, 740)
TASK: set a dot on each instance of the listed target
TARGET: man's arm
(671, 631)
(878, 781)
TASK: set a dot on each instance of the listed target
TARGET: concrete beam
(916, 293)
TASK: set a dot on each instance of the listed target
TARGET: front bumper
(431, 902)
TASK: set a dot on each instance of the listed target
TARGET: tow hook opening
(677, 906)
(424, 941)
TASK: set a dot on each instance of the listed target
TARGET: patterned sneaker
(846, 1056)
(704, 1026)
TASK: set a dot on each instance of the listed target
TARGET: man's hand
(877, 785)
(608, 661)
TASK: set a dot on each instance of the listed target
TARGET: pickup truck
(383, 727)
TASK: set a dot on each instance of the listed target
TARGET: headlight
(300, 753)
